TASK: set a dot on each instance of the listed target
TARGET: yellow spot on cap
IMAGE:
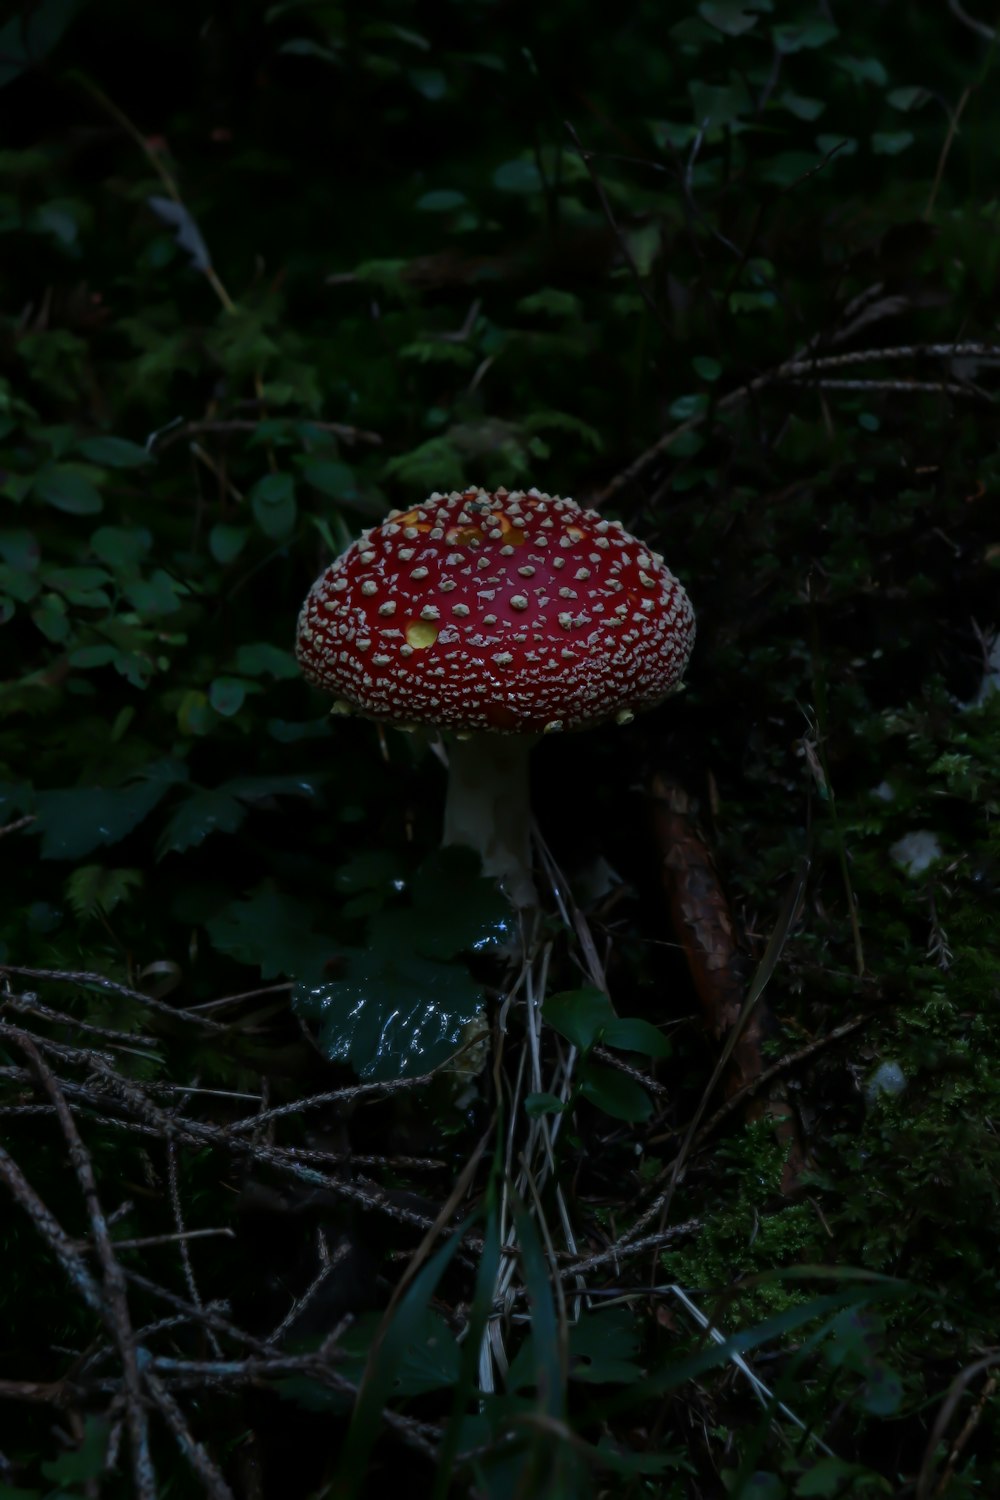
(464, 536)
(420, 634)
(413, 518)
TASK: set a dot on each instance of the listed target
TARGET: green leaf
(74, 821)
(430, 82)
(75, 581)
(799, 36)
(733, 17)
(226, 542)
(85, 1462)
(394, 1014)
(85, 657)
(891, 142)
(581, 1016)
(552, 302)
(272, 501)
(634, 1035)
(274, 933)
(330, 477)
(913, 97)
(864, 70)
(716, 106)
(157, 595)
(114, 452)
(800, 106)
(227, 695)
(441, 201)
(370, 870)
(706, 367)
(20, 550)
(843, 145)
(262, 658)
(203, 812)
(67, 489)
(521, 176)
(602, 1346)
(456, 910)
(543, 1104)
(830, 1478)
(614, 1093)
(121, 547)
(25, 40)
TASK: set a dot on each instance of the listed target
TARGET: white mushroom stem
(488, 808)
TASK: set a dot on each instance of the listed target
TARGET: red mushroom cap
(510, 612)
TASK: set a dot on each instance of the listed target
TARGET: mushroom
(497, 616)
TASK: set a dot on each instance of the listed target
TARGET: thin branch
(988, 33)
(115, 1299)
(791, 370)
(83, 977)
(623, 244)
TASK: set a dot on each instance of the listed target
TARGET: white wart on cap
(512, 612)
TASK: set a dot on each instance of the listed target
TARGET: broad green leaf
(864, 69)
(614, 1093)
(121, 546)
(272, 501)
(904, 99)
(393, 1014)
(160, 594)
(202, 812)
(715, 106)
(226, 542)
(262, 658)
(227, 695)
(85, 657)
(74, 821)
(26, 39)
(602, 1345)
(579, 1015)
(441, 201)
(733, 17)
(370, 870)
(330, 477)
(800, 36)
(456, 909)
(634, 1035)
(114, 452)
(891, 142)
(800, 105)
(68, 489)
(842, 145)
(706, 367)
(84, 1462)
(20, 550)
(77, 581)
(543, 1104)
(521, 176)
(272, 932)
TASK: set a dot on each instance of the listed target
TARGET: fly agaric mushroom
(497, 616)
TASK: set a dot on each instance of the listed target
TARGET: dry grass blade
(926, 1489)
